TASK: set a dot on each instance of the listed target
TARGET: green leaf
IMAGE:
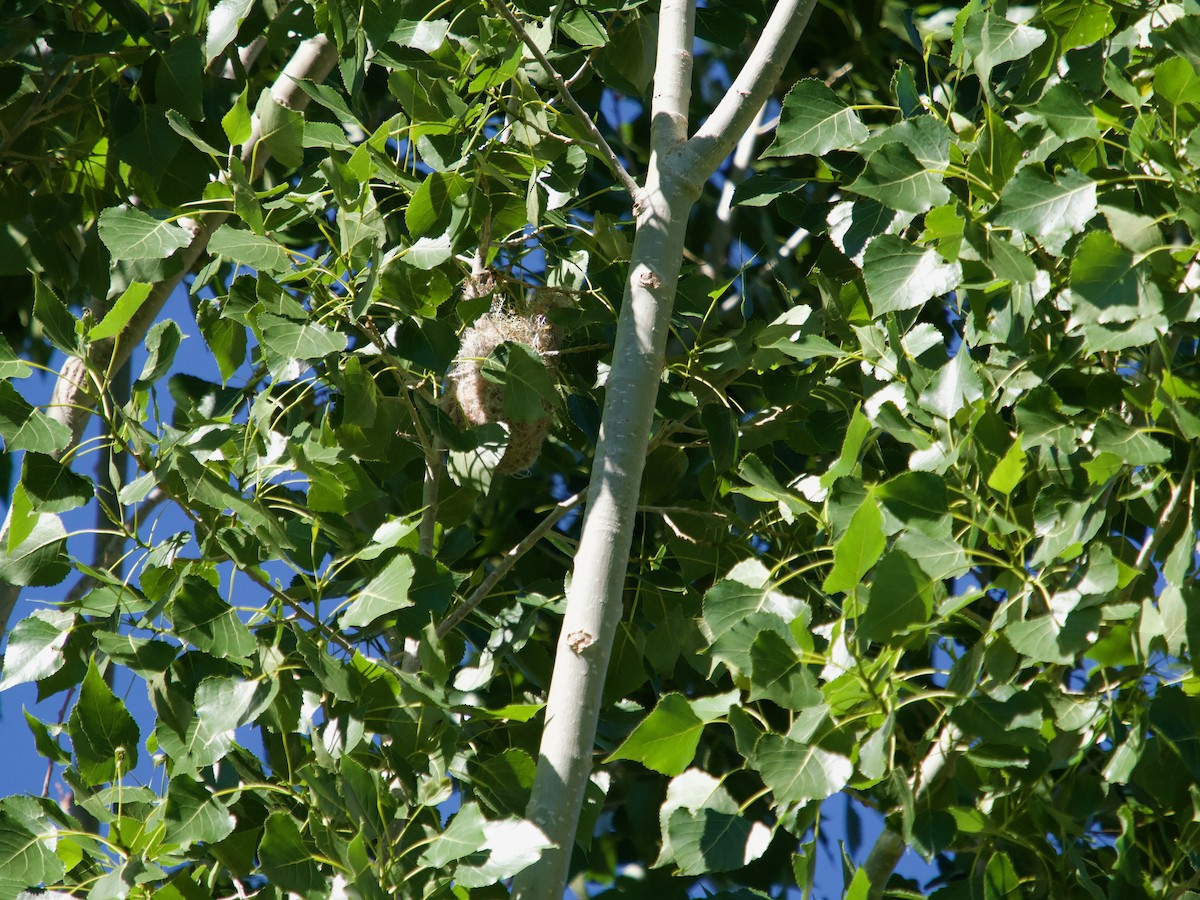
(59, 326)
(103, 733)
(512, 846)
(815, 121)
(1000, 879)
(35, 645)
(464, 836)
(162, 341)
(798, 773)
(528, 388)
(1010, 470)
(895, 177)
(386, 593)
(707, 840)
(858, 549)
(901, 276)
(1183, 36)
(11, 366)
(249, 249)
(27, 858)
(207, 622)
(26, 428)
(132, 234)
(281, 130)
(237, 123)
(746, 590)
(778, 674)
(917, 500)
(224, 20)
(426, 35)
(40, 559)
(584, 28)
(122, 311)
(956, 385)
(993, 40)
(194, 815)
(1066, 114)
(1108, 284)
(183, 128)
(51, 486)
(439, 206)
(222, 705)
(1047, 209)
(284, 339)
(287, 861)
(900, 599)
(1079, 22)
(1051, 639)
(177, 84)
(1127, 443)
(665, 740)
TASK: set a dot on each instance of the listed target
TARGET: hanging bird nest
(477, 401)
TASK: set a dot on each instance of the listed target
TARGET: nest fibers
(478, 401)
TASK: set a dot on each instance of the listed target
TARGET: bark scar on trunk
(579, 641)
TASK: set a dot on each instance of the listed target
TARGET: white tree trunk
(679, 168)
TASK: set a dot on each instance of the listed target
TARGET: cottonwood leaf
(205, 620)
(249, 249)
(129, 233)
(194, 814)
(993, 40)
(744, 591)
(857, 549)
(528, 388)
(512, 846)
(35, 645)
(287, 861)
(103, 733)
(40, 559)
(895, 177)
(955, 385)
(121, 312)
(902, 276)
(386, 593)
(900, 598)
(26, 858)
(51, 486)
(1047, 209)
(222, 27)
(798, 773)
(778, 674)
(706, 840)
(814, 120)
(26, 428)
(281, 130)
(1109, 284)
(665, 740)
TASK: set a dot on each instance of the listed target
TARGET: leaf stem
(610, 156)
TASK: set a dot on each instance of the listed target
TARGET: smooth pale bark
(679, 168)
(74, 399)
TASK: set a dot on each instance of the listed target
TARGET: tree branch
(610, 156)
(672, 76)
(705, 150)
(527, 543)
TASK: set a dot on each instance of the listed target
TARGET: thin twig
(610, 156)
(480, 593)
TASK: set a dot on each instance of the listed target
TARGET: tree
(886, 454)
